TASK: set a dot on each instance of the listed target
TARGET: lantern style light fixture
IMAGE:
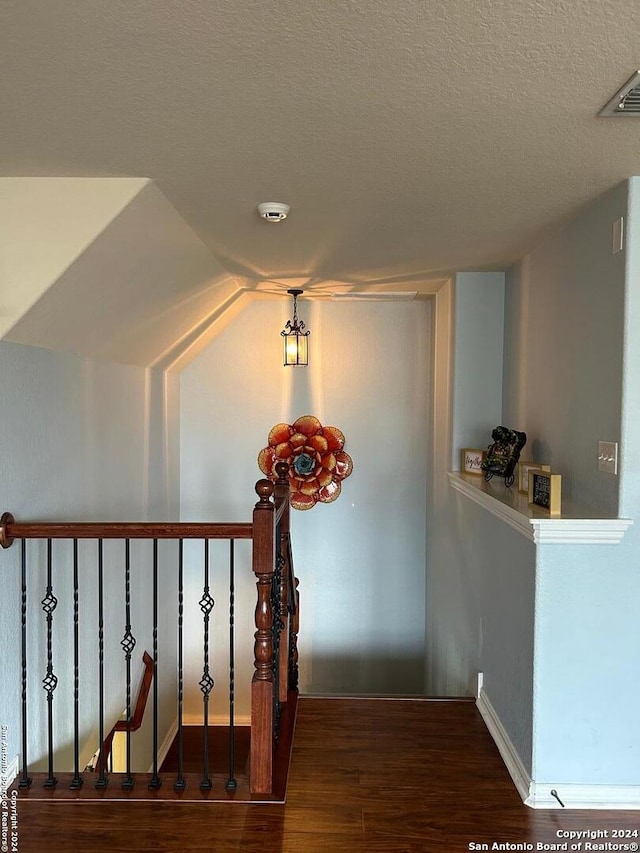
(296, 343)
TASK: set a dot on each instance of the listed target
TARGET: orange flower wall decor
(316, 458)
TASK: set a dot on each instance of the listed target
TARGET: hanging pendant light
(296, 344)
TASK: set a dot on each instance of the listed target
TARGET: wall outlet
(608, 457)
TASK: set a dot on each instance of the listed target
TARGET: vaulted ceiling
(410, 138)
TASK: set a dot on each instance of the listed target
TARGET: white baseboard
(537, 795)
(13, 768)
(583, 796)
(513, 762)
(165, 746)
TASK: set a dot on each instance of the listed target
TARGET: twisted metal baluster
(102, 781)
(277, 628)
(156, 781)
(180, 783)
(76, 782)
(206, 682)
(231, 781)
(50, 681)
(293, 619)
(25, 782)
(128, 644)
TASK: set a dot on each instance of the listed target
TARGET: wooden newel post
(282, 495)
(261, 754)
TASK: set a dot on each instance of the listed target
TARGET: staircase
(105, 587)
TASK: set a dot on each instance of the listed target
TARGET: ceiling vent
(626, 102)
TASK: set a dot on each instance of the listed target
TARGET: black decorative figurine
(502, 456)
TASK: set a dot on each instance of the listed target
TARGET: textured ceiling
(411, 137)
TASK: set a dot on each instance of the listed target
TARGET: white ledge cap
(512, 507)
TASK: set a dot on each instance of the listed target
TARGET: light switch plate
(608, 457)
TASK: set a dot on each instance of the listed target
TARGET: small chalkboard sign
(545, 491)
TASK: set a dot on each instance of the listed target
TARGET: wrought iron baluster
(278, 625)
(102, 781)
(293, 637)
(76, 782)
(206, 682)
(293, 618)
(231, 781)
(25, 782)
(180, 783)
(128, 644)
(50, 681)
(155, 782)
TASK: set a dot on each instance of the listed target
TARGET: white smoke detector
(273, 211)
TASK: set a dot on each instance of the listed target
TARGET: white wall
(361, 559)
(587, 630)
(587, 649)
(477, 360)
(572, 350)
(83, 440)
(554, 628)
(144, 256)
(564, 349)
(498, 571)
(472, 346)
(630, 429)
(61, 216)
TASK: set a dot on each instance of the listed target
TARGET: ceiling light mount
(273, 211)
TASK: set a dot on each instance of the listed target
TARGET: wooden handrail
(138, 713)
(276, 615)
(11, 529)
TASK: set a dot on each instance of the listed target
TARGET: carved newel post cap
(282, 470)
(264, 490)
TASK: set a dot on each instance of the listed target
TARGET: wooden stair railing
(274, 683)
(135, 721)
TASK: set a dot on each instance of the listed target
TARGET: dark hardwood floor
(382, 776)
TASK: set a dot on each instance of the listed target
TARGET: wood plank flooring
(382, 776)
(193, 771)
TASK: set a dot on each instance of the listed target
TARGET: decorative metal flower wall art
(317, 461)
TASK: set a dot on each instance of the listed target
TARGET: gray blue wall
(555, 628)
(360, 559)
(83, 441)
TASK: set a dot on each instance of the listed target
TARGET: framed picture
(523, 474)
(471, 461)
(545, 490)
